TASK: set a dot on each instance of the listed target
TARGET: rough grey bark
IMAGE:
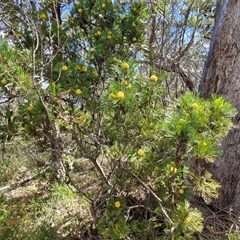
(222, 76)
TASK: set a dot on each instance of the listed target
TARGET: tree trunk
(221, 76)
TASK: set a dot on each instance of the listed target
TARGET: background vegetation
(103, 135)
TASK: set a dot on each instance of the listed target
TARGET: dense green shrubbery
(95, 106)
(167, 148)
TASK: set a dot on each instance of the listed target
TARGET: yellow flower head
(98, 34)
(140, 153)
(92, 50)
(103, 5)
(42, 16)
(78, 91)
(181, 191)
(4, 81)
(84, 69)
(125, 66)
(153, 78)
(117, 204)
(129, 86)
(173, 170)
(113, 96)
(194, 105)
(64, 68)
(77, 67)
(30, 107)
(109, 37)
(120, 95)
(134, 39)
(80, 10)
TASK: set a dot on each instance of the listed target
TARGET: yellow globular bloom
(30, 107)
(109, 37)
(125, 66)
(113, 96)
(194, 105)
(153, 78)
(103, 5)
(181, 191)
(42, 16)
(80, 10)
(77, 67)
(4, 81)
(134, 39)
(117, 204)
(98, 34)
(129, 86)
(92, 50)
(173, 170)
(64, 68)
(120, 95)
(84, 69)
(78, 91)
(140, 152)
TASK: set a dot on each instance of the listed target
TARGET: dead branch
(155, 196)
(24, 181)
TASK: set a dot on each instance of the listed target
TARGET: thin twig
(155, 196)
(23, 181)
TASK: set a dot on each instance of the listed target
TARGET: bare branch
(23, 181)
(155, 196)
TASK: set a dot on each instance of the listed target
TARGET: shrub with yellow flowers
(144, 153)
(163, 145)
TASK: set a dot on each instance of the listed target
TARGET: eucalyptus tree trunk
(222, 76)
